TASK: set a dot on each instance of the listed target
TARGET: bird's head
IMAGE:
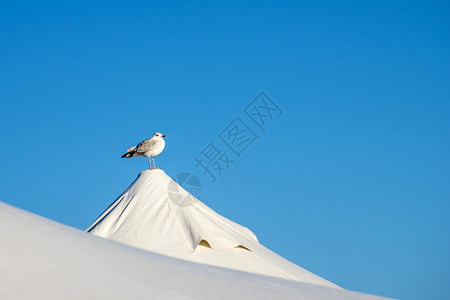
(158, 135)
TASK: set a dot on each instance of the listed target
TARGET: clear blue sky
(351, 182)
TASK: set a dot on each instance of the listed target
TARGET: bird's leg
(149, 164)
(154, 166)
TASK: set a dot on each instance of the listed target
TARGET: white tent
(156, 214)
(42, 259)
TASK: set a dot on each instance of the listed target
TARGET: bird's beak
(163, 136)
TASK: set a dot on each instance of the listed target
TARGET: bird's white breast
(156, 148)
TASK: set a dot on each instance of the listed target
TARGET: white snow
(42, 259)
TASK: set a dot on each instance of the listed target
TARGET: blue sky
(351, 182)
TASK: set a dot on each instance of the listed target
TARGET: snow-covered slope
(156, 214)
(42, 259)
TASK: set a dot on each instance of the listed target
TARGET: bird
(148, 148)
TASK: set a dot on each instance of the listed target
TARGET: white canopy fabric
(156, 214)
(41, 259)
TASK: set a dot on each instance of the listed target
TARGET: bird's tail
(128, 155)
(130, 152)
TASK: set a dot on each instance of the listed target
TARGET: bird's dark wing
(145, 145)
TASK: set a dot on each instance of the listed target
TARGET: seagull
(148, 148)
